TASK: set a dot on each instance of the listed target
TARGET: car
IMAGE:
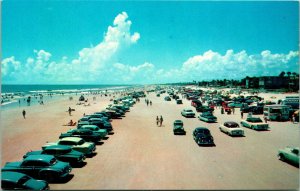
(86, 134)
(167, 98)
(122, 112)
(20, 181)
(102, 132)
(289, 154)
(207, 117)
(61, 152)
(187, 113)
(179, 101)
(157, 95)
(202, 136)
(113, 114)
(85, 118)
(196, 103)
(76, 143)
(255, 123)
(231, 128)
(178, 128)
(102, 124)
(81, 123)
(204, 108)
(45, 167)
(104, 114)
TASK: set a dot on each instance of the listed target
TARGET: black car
(178, 128)
(20, 181)
(102, 124)
(45, 167)
(202, 136)
(204, 108)
(86, 134)
(196, 103)
(179, 101)
(113, 114)
(61, 152)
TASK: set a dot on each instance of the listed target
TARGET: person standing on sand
(24, 113)
(70, 111)
(242, 114)
(157, 120)
(232, 110)
(161, 120)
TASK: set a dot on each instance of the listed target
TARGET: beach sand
(140, 155)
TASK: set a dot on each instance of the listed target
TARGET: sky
(146, 42)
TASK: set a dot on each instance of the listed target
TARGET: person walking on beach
(70, 111)
(242, 114)
(24, 113)
(161, 120)
(157, 120)
(150, 103)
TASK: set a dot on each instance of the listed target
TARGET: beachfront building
(290, 82)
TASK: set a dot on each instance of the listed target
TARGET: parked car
(86, 134)
(61, 152)
(102, 132)
(45, 167)
(102, 124)
(85, 118)
(167, 98)
(207, 117)
(20, 181)
(179, 101)
(76, 143)
(204, 108)
(202, 136)
(178, 128)
(289, 154)
(113, 114)
(196, 103)
(255, 123)
(231, 128)
(187, 113)
(81, 123)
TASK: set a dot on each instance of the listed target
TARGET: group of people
(159, 120)
(148, 102)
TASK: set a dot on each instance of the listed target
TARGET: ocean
(12, 95)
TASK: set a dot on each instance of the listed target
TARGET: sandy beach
(141, 155)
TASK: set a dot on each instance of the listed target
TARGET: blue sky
(105, 42)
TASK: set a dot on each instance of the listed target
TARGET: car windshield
(53, 161)
(188, 110)
(81, 142)
(254, 120)
(231, 125)
(23, 180)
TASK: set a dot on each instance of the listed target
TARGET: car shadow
(63, 180)
(99, 143)
(111, 133)
(91, 155)
(79, 165)
(105, 138)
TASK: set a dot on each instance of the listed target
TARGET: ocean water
(14, 96)
(5, 88)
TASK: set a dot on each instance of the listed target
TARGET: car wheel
(281, 157)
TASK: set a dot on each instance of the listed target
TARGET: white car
(76, 143)
(231, 128)
(255, 123)
(187, 113)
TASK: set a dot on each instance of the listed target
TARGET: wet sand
(140, 155)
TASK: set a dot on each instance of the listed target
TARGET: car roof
(87, 126)
(71, 139)
(230, 123)
(46, 158)
(58, 147)
(11, 176)
(178, 121)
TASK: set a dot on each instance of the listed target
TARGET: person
(242, 114)
(70, 123)
(24, 113)
(232, 110)
(222, 110)
(161, 120)
(157, 120)
(70, 110)
(266, 120)
(150, 103)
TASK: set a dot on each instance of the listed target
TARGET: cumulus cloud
(97, 64)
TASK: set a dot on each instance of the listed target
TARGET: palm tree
(282, 74)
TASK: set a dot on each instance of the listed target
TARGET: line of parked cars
(54, 162)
